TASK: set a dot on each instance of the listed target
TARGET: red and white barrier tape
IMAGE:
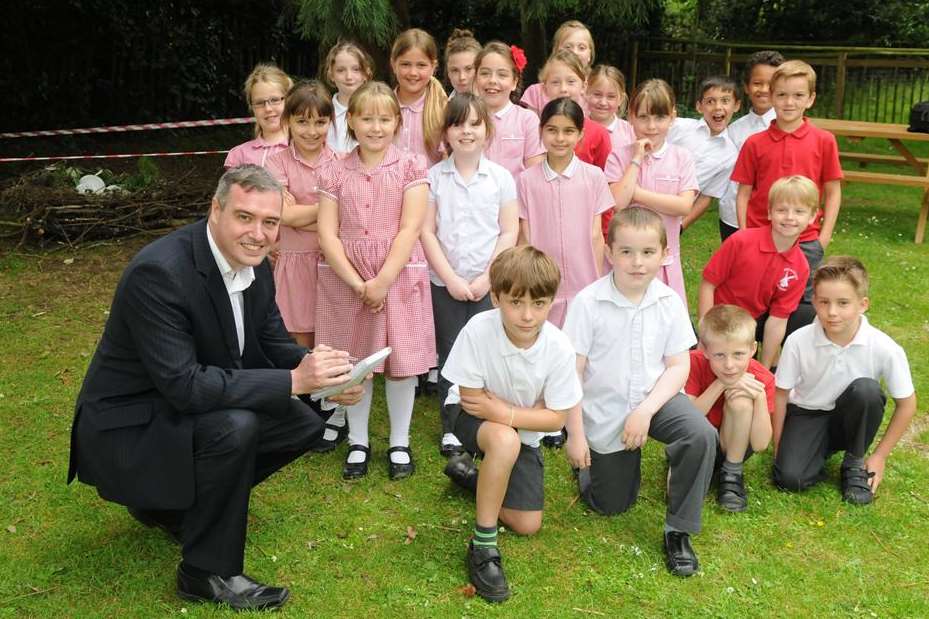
(184, 124)
(118, 156)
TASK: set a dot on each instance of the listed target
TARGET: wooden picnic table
(897, 135)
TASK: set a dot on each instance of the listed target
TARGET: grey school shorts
(526, 490)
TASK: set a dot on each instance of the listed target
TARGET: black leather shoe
(356, 470)
(461, 470)
(169, 523)
(400, 471)
(855, 488)
(239, 592)
(730, 493)
(554, 441)
(679, 554)
(485, 571)
(322, 445)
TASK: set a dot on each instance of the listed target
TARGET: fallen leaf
(468, 590)
(68, 260)
(11, 528)
(410, 535)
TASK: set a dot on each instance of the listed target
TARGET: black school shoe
(730, 492)
(679, 554)
(356, 470)
(554, 441)
(485, 571)
(322, 445)
(855, 488)
(239, 592)
(400, 471)
(460, 469)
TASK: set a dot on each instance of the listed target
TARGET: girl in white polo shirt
(472, 217)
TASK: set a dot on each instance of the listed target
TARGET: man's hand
(875, 467)
(578, 451)
(323, 368)
(352, 395)
(485, 405)
(635, 431)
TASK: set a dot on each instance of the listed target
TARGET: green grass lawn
(379, 548)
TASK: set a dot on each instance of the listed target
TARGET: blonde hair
(638, 218)
(434, 106)
(795, 68)
(795, 189)
(459, 41)
(611, 74)
(372, 95)
(567, 58)
(730, 322)
(270, 74)
(523, 269)
(503, 50)
(350, 47)
(847, 268)
(656, 95)
(567, 29)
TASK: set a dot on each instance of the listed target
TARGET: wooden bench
(883, 178)
(866, 158)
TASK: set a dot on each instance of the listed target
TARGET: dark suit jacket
(170, 351)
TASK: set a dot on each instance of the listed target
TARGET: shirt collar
(607, 291)
(325, 156)
(509, 349)
(504, 110)
(861, 336)
(415, 106)
(613, 124)
(236, 281)
(705, 128)
(448, 167)
(767, 240)
(777, 134)
(260, 142)
(338, 107)
(661, 152)
(353, 161)
(568, 172)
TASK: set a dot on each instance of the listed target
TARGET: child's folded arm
(674, 205)
(704, 402)
(484, 405)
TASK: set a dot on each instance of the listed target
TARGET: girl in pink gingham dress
(373, 284)
(265, 90)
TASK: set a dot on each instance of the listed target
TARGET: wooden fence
(855, 83)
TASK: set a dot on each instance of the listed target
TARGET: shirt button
(366, 233)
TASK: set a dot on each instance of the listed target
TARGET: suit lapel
(216, 288)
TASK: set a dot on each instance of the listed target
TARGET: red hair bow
(519, 58)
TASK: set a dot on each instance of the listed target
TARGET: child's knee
(524, 523)
(498, 440)
(739, 407)
(866, 389)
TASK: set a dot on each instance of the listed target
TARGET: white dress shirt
(236, 283)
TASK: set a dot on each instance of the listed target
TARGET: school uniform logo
(784, 282)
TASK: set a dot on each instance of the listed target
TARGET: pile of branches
(39, 213)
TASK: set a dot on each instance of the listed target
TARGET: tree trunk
(535, 41)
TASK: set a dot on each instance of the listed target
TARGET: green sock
(484, 536)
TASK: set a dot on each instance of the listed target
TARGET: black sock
(852, 460)
(734, 468)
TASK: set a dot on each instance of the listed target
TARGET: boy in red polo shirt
(763, 270)
(735, 392)
(791, 145)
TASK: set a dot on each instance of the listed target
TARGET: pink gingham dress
(295, 269)
(370, 205)
(255, 151)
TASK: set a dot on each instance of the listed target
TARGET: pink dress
(668, 170)
(295, 269)
(254, 151)
(370, 206)
(621, 133)
(409, 136)
(516, 138)
(560, 210)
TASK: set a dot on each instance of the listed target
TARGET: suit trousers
(234, 450)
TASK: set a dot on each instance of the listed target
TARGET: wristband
(636, 162)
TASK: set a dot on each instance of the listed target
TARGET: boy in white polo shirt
(707, 140)
(514, 379)
(758, 71)
(632, 335)
(829, 397)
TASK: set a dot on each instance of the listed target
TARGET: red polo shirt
(749, 272)
(701, 376)
(773, 154)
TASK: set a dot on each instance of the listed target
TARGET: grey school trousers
(611, 484)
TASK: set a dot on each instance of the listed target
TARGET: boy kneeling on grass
(735, 392)
(513, 379)
(829, 397)
(632, 335)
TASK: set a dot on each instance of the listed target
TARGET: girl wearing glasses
(265, 90)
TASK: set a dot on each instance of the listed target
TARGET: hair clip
(519, 58)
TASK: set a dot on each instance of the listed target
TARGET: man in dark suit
(188, 403)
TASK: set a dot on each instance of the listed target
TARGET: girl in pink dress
(652, 173)
(373, 287)
(515, 144)
(572, 36)
(461, 50)
(414, 59)
(560, 204)
(265, 91)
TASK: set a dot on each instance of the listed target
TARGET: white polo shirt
(739, 131)
(468, 213)
(338, 138)
(817, 371)
(714, 155)
(484, 357)
(626, 346)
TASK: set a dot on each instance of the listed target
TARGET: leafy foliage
(326, 21)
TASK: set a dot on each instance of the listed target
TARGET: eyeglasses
(272, 101)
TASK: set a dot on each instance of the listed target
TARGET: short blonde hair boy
(523, 269)
(796, 189)
(729, 322)
(847, 268)
(638, 218)
(795, 68)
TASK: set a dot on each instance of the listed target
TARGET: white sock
(450, 439)
(433, 376)
(400, 396)
(336, 419)
(558, 433)
(358, 423)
